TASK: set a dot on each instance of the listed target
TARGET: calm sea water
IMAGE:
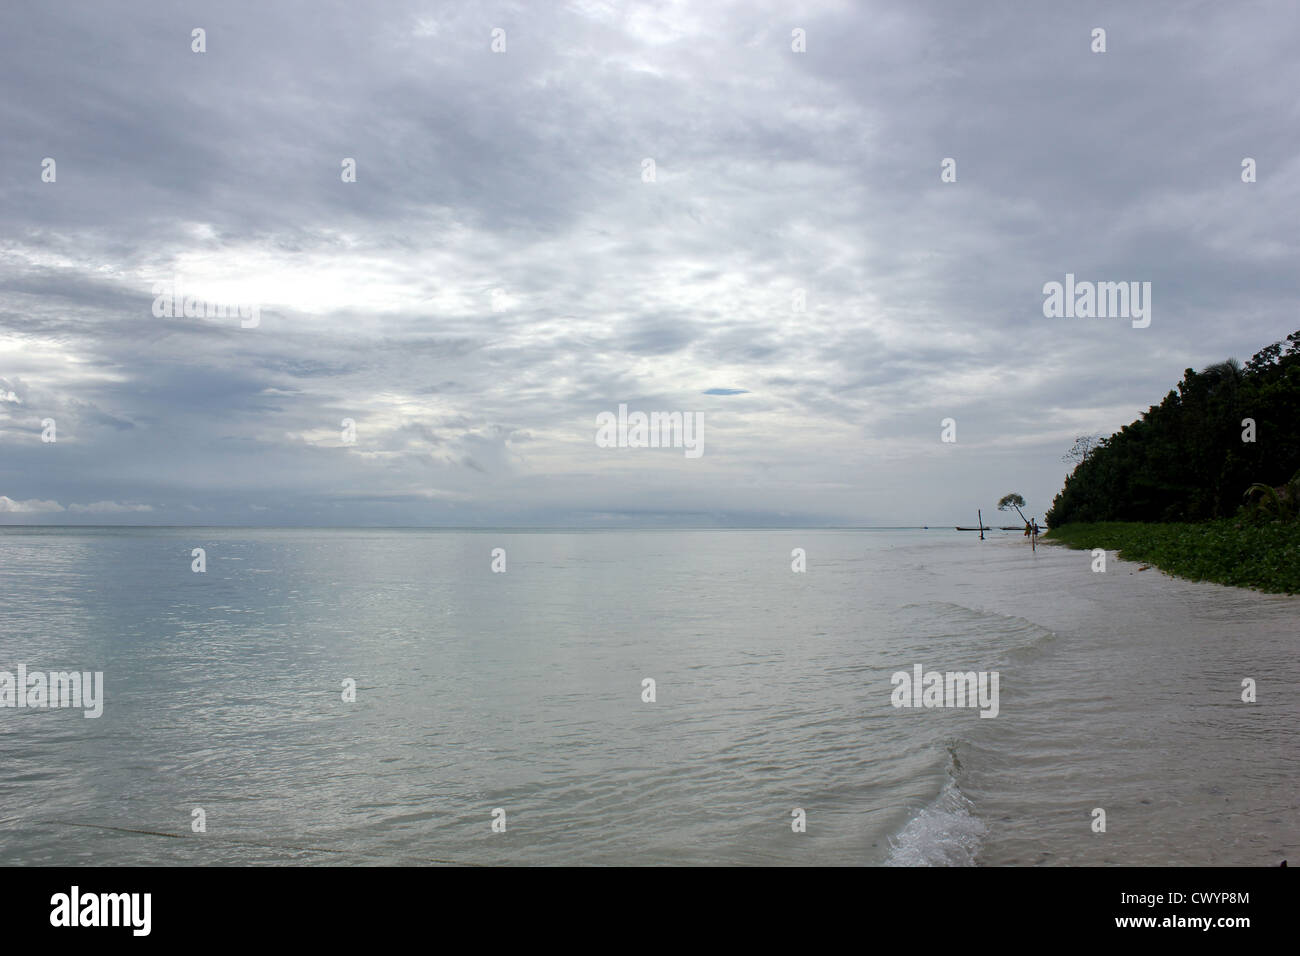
(523, 691)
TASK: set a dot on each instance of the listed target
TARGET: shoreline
(1264, 558)
(1134, 704)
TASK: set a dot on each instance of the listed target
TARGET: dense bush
(1228, 551)
(1184, 460)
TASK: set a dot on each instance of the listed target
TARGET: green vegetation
(1013, 500)
(1237, 552)
(1205, 485)
(1191, 458)
(1278, 504)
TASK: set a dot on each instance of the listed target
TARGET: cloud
(500, 272)
(30, 506)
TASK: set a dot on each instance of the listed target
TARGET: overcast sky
(523, 171)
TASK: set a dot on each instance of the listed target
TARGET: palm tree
(1284, 505)
(1227, 370)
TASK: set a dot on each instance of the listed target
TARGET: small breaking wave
(945, 833)
(1017, 637)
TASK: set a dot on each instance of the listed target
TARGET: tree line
(1195, 456)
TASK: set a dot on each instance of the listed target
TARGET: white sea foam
(946, 833)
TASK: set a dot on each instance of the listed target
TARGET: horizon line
(306, 527)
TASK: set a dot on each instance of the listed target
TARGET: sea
(360, 697)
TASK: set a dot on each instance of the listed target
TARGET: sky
(660, 205)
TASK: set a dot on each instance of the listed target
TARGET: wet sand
(1134, 705)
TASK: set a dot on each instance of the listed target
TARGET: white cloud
(30, 506)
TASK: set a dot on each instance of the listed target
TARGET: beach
(1134, 705)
